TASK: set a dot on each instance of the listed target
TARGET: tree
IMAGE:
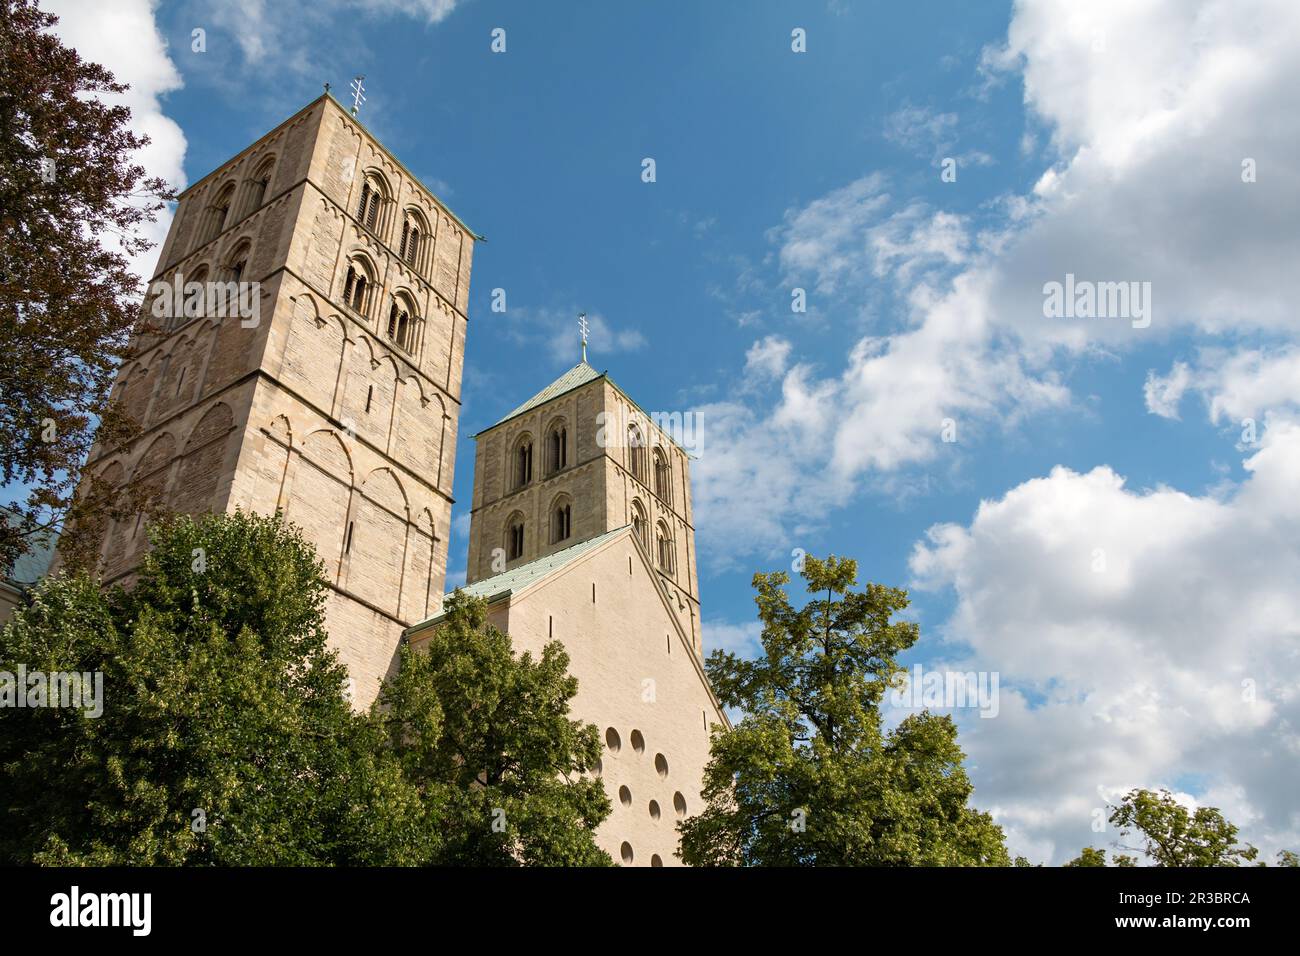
(488, 734)
(67, 301)
(1091, 856)
(1288, 858)
(808, 776)
(1174, 836)
(225, 737)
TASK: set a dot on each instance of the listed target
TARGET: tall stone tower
(581, 533)
(578, 459)
(337, 399)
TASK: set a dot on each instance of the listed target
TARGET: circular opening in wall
(599, 767)
(625, 851)
(661, 765)
(625, 796)
(655, 861)
(612, 741)
(679, 804)
(638, 742)
(654, 810)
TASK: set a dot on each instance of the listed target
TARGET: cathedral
(336, 399)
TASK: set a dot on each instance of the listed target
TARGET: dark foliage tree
(72, 203)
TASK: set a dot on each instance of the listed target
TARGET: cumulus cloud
(1150, 110)
(1143, 637)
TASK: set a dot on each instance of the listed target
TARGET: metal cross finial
(582, 324)
(358, 92)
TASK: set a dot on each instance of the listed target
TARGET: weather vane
(582, 325)
(358, 94)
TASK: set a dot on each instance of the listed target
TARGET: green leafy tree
(1091, 856)
(226, 735)
(808, 776)
(72, 204)
(486, 733)
(1288, 858)
(1174, 836)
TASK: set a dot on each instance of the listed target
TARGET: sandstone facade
(326, 407)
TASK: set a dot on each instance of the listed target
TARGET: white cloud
(556, 332)
(826, 439)
(827, 238)
(266, 51)
(1164, 393)
(921, 129)
(1150, 109)
(742, 639)
(768, 357)
(1139, 624)
(929, 133)
(915, 239)
(431, 11)
(124, 38)
(1240, 384)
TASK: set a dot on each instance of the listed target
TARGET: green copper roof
(526, 575)
(35, 564)
(580, 374)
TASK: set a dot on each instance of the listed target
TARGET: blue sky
(1130, 573)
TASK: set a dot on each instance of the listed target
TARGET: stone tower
(581, 533)
(335, 397)
(577, 460)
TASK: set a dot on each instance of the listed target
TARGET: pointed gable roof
(580, 374)
(576, 377)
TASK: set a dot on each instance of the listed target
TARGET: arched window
(237, 263)
(219, 213)
(664, 546)
(636, 452)
(639, 526)
(373, 195)
(402, 324)
(257, 187)
(561, 520)
(663, 477)
(355, 286)
(523, 462)
(515, 537)
(557, 448)
(414, 232)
